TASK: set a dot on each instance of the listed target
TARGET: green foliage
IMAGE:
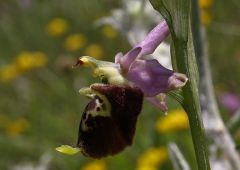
(177, 15)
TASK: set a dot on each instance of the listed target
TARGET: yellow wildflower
(205, 3)
(95, 51)
(147, 168)
(95, 165)
(17, 127)
(57, 27)
(152, 158)
(9, 72)
(206, 17)
(29, 60)
(109, 32)
(74, 42)
(176, 120)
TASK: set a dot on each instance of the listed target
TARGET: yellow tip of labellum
(81, 61)
(69, 150)
(84, 60)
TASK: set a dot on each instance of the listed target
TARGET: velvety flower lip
(109, 120)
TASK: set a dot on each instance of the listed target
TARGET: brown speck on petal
(98, 109)
(109, 135)
(78, 63)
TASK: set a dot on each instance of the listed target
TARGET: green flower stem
(191, 104)
(177, 14)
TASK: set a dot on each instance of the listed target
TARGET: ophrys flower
(108, 122)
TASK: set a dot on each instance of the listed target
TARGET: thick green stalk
(191, 103)
(177, 14)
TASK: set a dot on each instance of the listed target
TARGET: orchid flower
(108, 122)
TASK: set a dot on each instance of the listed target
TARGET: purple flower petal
(118, 56)
(154, 38)
(147, 46)
(177, 80)
(231, 101)
(161, 104)
(152, 78)
(127, 59)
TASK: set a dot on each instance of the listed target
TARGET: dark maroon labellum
(108, 135)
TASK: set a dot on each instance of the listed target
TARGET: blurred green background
(40, 107)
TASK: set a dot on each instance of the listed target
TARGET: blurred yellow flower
(205, 3)
(57, 27)
(9, 72)
(175, 120)
(95, 51)
(74, 42)
(147, 168)
(152, 158)
(17, 127)
(95, 165)
(206, 17)
(25, 61)
(29, 60)
(109, 32)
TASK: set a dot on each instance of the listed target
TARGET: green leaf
(177, 95)
(176, 14)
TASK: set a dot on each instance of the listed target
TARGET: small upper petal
(118, 56)
(147, 46)
(126, 61)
